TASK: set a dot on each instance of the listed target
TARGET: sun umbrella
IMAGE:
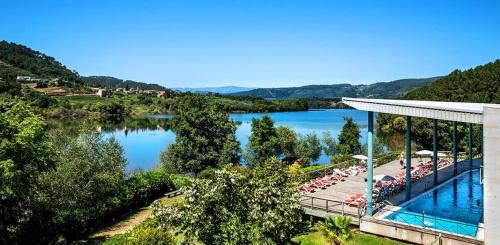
(424, 152)
(360, 157)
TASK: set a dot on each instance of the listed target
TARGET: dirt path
(128, 222)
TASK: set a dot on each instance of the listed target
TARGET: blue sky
(257, 43)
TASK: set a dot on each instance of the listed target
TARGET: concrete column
(408, 158)
(491, 176)
(434, 151)
(454, 145)
(481, 165)
(481, 141)
(470, 144)
(369, 182)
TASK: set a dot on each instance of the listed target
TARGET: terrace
(315, 202)
(428, 186)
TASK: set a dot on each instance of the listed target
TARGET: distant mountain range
(16, 60)
(113, 83)
(219, 90)
(393, 89)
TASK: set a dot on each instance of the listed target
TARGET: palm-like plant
(337, 230)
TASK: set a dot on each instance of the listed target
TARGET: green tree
(85, 184)
(308, 149)
(25, 152)
(263, 142)
(288, 143)
(378, 146)
(337, 230)
(234, 208)
(214, 211)
(9, 86)
(329, 144)
(349, 138)
(275, 206)
(205, 137)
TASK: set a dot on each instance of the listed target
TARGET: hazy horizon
(191, 44)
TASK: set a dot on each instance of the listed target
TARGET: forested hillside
(113, 82)
(16, 59)
(392, 89)
(479, 84)
(57, 92)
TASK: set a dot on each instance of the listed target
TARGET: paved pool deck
(356, 184)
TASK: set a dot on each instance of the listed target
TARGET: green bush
(148, 232)
(179, 181)
(314, 168)
(42, 84)
(143, 187)
(206, 173)
(342, 159)
(386, 157)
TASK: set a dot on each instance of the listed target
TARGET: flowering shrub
(231, 208)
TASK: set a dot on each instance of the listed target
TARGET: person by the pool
(402, 160)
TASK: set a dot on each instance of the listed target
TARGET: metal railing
(323, 171)
(330, 206)
(431, 222)
(381, 205)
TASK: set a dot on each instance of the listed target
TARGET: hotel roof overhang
(450, 111)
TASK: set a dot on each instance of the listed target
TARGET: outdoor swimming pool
(456, 206)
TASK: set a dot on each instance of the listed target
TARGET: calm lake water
(143, 147)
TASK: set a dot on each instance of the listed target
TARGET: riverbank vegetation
(237, 205)
(70, 184)
(205, 137)
(55, 187)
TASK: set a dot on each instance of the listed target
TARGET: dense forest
(391, 89)
(480, 85)
(28, 61)
(113, 83)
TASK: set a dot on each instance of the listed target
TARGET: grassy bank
(359, 238)
(129, 221)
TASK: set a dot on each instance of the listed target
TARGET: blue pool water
(456, 206)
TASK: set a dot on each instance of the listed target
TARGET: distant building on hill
(26, 79)
(102, 92)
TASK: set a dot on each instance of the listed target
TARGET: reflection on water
(145, 138)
